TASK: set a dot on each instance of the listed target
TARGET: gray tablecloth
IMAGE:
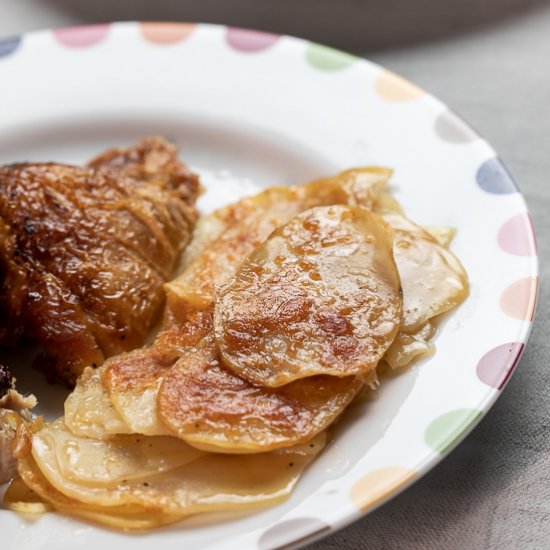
(493, 491)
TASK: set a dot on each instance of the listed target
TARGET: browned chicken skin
(84, 251)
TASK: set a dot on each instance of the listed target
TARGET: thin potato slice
(211, 482)
(223, 239)
(408, 347)
(107, 463)
(119, 517)
(20, 498)
(132, 381)
(213, 409)
(432, 278)
(89, 411)
(320, 296)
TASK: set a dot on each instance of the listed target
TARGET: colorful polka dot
(447, 428)
(379, 484)
(9, 45)
(328, 59)
(516, 236)
(392, 87)
(495, 367)
(291, 532)
(82, 37)
(166, 33)
(452, 129)
(519, 299)
(249, 41)
(493, 177)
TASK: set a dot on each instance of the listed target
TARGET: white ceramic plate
(251, 110)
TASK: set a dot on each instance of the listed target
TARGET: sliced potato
(211, 482)
(89, 411)
(20, 498)
(432, 278)
(320, 296)
(213, 409)
(408, 347)
(126, 518)
(224, 238)
(132, 381)
(107, 463)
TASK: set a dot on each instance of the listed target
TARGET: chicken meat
(85, 251)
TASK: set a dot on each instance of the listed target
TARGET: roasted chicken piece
(84, 251)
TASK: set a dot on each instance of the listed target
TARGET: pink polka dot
(249, 41)
(82, 37)
(517, 236)
(495, 367)
(519, 299)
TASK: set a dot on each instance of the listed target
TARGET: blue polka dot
(493, 177)
(9, 45)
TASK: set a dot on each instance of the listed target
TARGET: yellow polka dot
(392, 87)
(377, 485)
(166, 33)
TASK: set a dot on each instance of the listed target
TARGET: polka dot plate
(249, 110)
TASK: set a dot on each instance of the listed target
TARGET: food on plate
(14, 408)
(85, 251)
(223, 239)
(320, 296)
(285, 305)
(127, 476)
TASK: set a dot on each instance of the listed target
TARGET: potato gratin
(286, 305)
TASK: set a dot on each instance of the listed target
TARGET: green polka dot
(328, 59)
(445, 429)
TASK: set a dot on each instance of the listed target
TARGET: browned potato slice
(432, 278)
(211, 482)
(224, 238)
(320, 296)
(89, 411)
(213, 409)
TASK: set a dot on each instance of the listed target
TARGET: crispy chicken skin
(84, 251)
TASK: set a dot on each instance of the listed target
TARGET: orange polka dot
(519, 299)
(392, 87)
(166, 33)
(377, 485)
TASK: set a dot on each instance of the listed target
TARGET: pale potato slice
(132, 380)
(408, 347)
(107, 463)
(209, 483)
(432, 278)
(126, 518)
(224, 238)
(89, 411)
(320, 296)
(213, 409)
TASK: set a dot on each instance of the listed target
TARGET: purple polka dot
(291, 532)
(9, 45)
(452, 129)
(493, 177)
(82, 37)
(249, 41)
(495, 367)
(516, 236)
